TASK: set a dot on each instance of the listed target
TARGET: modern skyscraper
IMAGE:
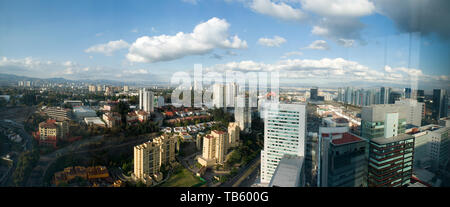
(243, 113)
(146, 100)
(218, 95)
(284, 133)
(440, 106)
(391, 161)
(384, 95)
(407, 92)
(314, 93)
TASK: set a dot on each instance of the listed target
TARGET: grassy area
(182, 178)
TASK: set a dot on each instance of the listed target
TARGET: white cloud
(279, 10)
(288, 54)
(331, 70)
(108, 48)
(339, 8)
(346, 42)
(138, 71)
(318, 45)
(205, 37)
(135, 30)
(276, 41)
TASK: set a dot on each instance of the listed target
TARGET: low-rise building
(111, 119)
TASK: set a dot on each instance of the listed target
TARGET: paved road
(244, 172)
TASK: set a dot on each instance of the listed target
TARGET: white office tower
(231, 91)
(284, 133)
(218, 95)
(146, 101)
(243, 113)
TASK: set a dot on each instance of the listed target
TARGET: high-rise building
(243, 113)
(151, 155)
(440, 105)
(416, 111)
(218, 95)
(384, 95)
(420, 96)
(391, 161)
(342, 157)
(314, 93)
(439, 148)
(233, 133)
(215, 146)
(125, 88)
(344, 160)
(284, 133)
(408, 93)
(146, 100)
(383, 120)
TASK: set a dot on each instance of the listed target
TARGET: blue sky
(52, 39)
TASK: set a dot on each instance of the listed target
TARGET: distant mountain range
(9, 79)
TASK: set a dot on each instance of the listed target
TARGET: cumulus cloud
(276, 41)
(205, 37)
(330, 70)
(346, 42)
(288, 54)
(318, 45)
(339, 8)
(425, 16)
(108, 48)
(278, 10)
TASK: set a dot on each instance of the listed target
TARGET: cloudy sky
(310, 42)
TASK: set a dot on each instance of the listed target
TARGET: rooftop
(287, 173)
(346, 138)
(397, 138)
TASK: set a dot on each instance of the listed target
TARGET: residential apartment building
(151, 155)
(215, 146)
(234, 133)
(146, 100)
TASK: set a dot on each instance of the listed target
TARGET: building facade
(383, 120)
(391, 161)
(233, 133)
(150, 156)
(146, 100)
(284, 133)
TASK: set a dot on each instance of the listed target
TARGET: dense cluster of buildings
(391, 149)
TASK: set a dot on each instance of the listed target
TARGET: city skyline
(376, 43)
